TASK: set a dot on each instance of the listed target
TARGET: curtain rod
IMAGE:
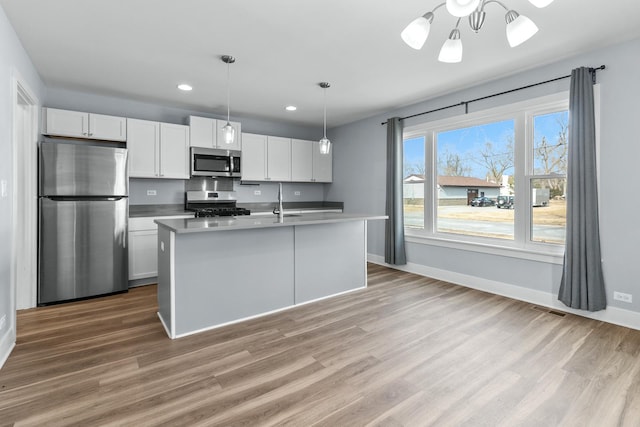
(466, 103)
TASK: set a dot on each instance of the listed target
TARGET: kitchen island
(216, 271)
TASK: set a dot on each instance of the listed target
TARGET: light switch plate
(3, 188)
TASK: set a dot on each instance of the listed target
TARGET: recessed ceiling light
(185, 87)
(291, 108)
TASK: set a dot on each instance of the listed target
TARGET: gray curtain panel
(394, 252)
(582, 285)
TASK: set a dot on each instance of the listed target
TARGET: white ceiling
(141, 49)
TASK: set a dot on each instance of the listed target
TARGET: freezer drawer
(82, 248)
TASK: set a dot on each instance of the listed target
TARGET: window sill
(554, 255)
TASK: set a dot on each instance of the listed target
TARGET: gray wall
(13, 59)
(359, 173)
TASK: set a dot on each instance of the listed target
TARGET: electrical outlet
(3, 185)
(296, 193)
(3, 320)
(620, 296)
(257, 192)
(151, 192)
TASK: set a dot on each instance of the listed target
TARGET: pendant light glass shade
(462, 8)
(541, 3)
(228, 132)
(451, 51)
(416, 33)
(519, 28)
(324, 144)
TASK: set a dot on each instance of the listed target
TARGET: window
(413, 188)
(496, 177)
(548, 178)
(474, 165)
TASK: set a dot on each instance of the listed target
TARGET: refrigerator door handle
(85, 198)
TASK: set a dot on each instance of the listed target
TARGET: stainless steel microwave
(214, 162)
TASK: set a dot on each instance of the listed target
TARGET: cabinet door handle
(90, 133)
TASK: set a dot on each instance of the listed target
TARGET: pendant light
(228, 131)
(325, 144)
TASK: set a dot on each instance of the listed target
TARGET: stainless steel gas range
(213, 203)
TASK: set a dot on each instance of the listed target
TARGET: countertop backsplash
(171, 191)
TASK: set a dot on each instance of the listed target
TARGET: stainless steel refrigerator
(83, 210)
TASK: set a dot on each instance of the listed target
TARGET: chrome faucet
(279, 211)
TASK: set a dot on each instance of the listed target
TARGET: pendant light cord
(228, 92)
(325, 112)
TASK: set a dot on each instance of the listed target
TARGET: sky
(468, 142)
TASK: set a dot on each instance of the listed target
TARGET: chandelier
(519, 28)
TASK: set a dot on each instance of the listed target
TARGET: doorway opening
(25, 196)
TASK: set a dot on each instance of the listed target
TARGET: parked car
(504, 202)
(482, 202)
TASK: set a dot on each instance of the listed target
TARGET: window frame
(522, 113)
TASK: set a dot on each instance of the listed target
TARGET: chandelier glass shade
(461, 8)
(451, 51)
(519, 28)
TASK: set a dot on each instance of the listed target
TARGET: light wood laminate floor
(406, 351)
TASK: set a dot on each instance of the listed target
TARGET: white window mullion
(523, 222)
(431, 181)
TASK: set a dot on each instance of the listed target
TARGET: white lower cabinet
(143, 246)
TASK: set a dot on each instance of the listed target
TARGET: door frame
(25, 193)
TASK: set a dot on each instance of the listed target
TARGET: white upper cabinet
(158, 150)
(308, 164)
(174, 151)
(254, 157)
(265, 158)
(143, 145)
(301, 160)
(322, 164)
(207, 133)
(77, 124)
(272, 158)
(203, 132)
(278, 158)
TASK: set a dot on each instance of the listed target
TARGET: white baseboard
(7, 343)
(615, 315)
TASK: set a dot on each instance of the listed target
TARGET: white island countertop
(197, 225)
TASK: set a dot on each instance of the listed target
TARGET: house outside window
(496, 177)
